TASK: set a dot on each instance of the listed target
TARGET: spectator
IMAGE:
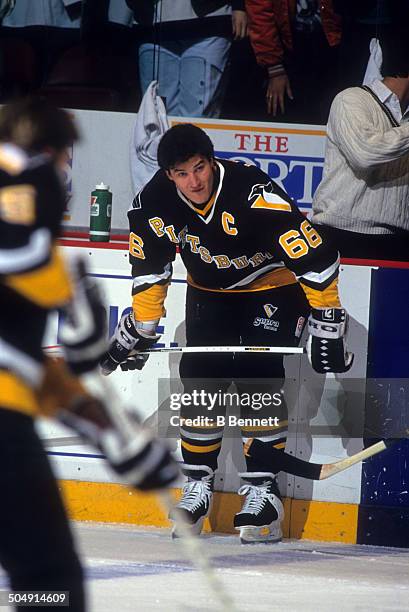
(186, 49)
(362, 21)
(50, 26)
(296, 41)
(362, 201)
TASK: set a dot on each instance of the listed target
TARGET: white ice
(134, 569)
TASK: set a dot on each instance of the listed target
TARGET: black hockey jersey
(250, 236)
(33, 279)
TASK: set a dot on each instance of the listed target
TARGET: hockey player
(256, 269)
(36, 547)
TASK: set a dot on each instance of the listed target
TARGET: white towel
(151, 124)
(373, 69)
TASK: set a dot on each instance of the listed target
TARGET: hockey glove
(124, 349)
(83, 329)
(326, 344)
(135, 455)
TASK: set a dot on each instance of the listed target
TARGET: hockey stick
(330, 469)
(283, 462)
(194, 550)
(284, 350)
(197, 555)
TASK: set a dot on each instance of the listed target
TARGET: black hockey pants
(273, 317)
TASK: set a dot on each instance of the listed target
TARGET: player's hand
(83, 329)
(133, 453)
(326, 345)
(278, 87)
(239, 24)
(125, 347)
(143, 462)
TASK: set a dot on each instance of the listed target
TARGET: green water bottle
(100, 214)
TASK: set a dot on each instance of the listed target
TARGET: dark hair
(182, 142)
(34, 124)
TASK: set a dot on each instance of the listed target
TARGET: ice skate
(196, 500)
(260, 518)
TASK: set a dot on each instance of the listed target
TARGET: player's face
(194, 178)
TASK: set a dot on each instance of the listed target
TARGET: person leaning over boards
(244, 245)
(361, 203)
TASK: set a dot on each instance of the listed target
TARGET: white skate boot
(262, 512)
(196, 500)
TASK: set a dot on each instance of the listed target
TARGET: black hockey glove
(133, 453)
(83, 329)
(326, 345)
(125, 347)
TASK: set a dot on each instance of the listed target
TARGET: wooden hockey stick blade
(279, 461)
(330, 469)
(283, 350)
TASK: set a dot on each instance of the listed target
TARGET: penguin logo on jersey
(265, 197)
(269, 309)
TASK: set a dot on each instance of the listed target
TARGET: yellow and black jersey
(250, 236)
(33, 279)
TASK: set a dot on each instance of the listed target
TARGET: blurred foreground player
(245, 245)
(36, 547)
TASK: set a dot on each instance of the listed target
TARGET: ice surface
(134, 569)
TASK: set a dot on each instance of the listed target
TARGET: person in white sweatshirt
(185, 46)
(362, 203)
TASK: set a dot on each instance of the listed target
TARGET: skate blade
(256, 535)
(194, 529)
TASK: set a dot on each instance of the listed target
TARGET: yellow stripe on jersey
(148, 305)
(48, 286)
(16, 395)
(200, 449)
(327, 298)
(271, 280)
(203, 212)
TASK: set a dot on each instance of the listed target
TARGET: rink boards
(292, 155)
(366, 504)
